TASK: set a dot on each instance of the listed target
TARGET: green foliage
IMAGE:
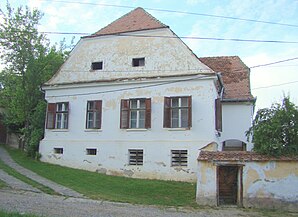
(275, 130)
(30, 62)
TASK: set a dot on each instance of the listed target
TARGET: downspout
(222, 88)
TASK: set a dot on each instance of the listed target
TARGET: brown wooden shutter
(189, 112)
(167, 113)
(148, 113)
(51, 116)
(124, 115)
(67, 123)
(98, 107)
(218, 115)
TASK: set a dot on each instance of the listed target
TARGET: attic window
(96, 65)
(138, 62)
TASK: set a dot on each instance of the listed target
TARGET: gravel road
(48, 205)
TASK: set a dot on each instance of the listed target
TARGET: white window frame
(63, 114)
(138, 109)
(179, 108)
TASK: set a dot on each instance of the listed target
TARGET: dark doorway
(227, 185)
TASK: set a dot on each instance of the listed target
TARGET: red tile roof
(136, 20)
(235, 75)
(239, 156)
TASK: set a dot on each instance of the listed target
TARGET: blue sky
(63, 17)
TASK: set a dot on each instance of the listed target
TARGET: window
(91, 151)
(218, 115)
(177, 112)
(57, 115)
(179, 158)
(135, 157)
(94, 110)
(97, 65)
(138, 62)
(135, 113)
(58, 150)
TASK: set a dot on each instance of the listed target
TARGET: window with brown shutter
(124, 116)
(218, 115)
(135, 113)
(93, 116)
(57, 115)
(51, 114)
(177, 112)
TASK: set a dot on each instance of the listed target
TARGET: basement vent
(58, 150)
(135, 157)
(179, 158)
(91, 151)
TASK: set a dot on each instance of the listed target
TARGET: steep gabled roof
(235, 76)
(136, 20)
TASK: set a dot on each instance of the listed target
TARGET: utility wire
(178, 12)
(183, 37)
(268, 64)
(275, 85)
(163, 36)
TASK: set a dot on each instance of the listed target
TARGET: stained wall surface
(268, 184)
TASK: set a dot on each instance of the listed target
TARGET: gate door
(227, 185)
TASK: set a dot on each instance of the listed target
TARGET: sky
(268, 83)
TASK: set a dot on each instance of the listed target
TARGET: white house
(133, 100)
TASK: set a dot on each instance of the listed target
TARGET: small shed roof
(240, 156)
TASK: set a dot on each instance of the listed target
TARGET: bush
(275, 130)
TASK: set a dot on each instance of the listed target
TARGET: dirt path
(5, 157)
(47, 205)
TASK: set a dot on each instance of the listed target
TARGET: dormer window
(97, 65)
(138, 62)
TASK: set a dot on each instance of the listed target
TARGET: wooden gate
(227, 185)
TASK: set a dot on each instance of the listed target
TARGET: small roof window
(138, 62)
(97, 65)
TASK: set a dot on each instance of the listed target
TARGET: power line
(162, 36)
(178, 12)
(182, 37)
(275, 85)
(272, 63)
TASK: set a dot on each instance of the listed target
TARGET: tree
(275, 130)
(29, 62)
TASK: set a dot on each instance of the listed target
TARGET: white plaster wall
(236, 120)
(163, 56)
(113, 143)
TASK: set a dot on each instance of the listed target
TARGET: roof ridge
(134, 21)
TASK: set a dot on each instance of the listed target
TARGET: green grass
(2, 184)
(25, 179)
(113, 188)
(14, 214)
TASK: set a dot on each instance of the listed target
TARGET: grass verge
(25, 179)
(113, 188)
(14, 214)
(2, 184)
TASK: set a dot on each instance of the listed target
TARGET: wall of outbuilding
(266, 184)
